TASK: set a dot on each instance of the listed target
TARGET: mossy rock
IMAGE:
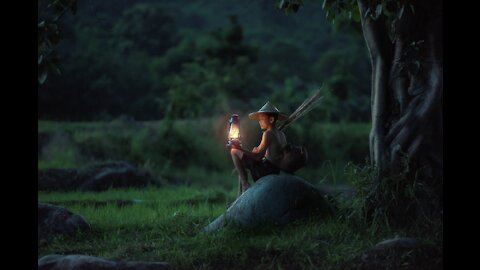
(276, 199)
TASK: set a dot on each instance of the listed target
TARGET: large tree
(405, 42)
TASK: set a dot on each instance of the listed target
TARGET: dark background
(188, 59)
(155, 82)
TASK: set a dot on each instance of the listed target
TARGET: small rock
(80, 262)
(96, 177)
(401, 253)
(55, 220)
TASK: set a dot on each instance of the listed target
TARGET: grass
(165, 225)
(192, 152)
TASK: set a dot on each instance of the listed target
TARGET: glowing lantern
(234, 132)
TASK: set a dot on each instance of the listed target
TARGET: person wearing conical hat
(265, 157)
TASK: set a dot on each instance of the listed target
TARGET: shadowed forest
(134, 103)
(132, 64)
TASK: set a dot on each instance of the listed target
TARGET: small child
(264, 158)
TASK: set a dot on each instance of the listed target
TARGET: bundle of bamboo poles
(304, 108)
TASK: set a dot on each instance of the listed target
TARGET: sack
(294, 157)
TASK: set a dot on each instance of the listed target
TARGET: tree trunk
(407, 96)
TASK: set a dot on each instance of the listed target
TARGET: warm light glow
(234, 133)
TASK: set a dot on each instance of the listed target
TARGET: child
(264, 158)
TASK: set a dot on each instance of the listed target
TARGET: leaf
(42, 77)
(412, 8)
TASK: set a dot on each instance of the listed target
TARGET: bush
(340, 142)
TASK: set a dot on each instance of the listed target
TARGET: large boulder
(80, 262)
(112, 175)
(55, 220)
(96, 177)
(277, 199)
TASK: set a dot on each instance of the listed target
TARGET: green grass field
(165, 225)
(173, 155)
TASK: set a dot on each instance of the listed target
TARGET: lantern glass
(234, 132)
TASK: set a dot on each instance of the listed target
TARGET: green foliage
(341, 8)
(224, 73)
(289, 97)
(59, 152)
(149, 60)
(193, 151)
(391, 11)
(191, 90)
(283, 59)
(102, 145)
(145, 27)
(49, 35)
(335, 142)
(403, 200)
(227, 46)
(172, 60)
(165, 145)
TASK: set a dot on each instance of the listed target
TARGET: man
(264, 158)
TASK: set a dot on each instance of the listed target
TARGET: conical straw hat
(268, 108)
